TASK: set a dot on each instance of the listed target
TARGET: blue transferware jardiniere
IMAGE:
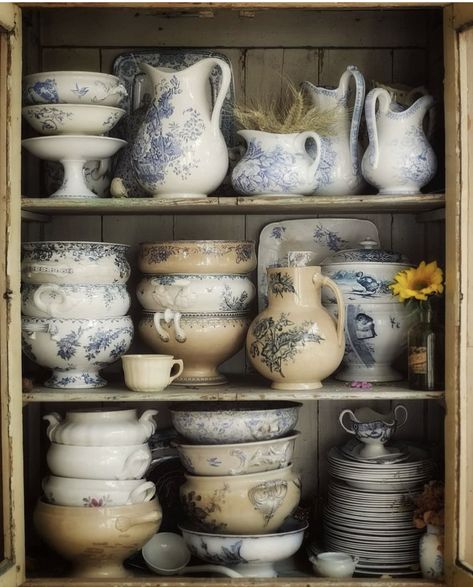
(339, 170)
(179, 150)
(276, 164)
(399, 159)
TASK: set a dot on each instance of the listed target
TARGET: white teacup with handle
(150, 373)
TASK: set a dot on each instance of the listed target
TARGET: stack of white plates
(369, 511)
(416, 470)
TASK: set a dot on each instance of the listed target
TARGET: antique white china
(73, 87)
(72, 119)
(251, 555)
(96, 492)
(127, 67)
(74, 262)
(97, 540)
(99, 462)
(80, 301)
(228, 422)
(277, 164)
(166, 553)
(334, 564)
(237, 458)
(376, 323)
(255, 503)
(294, 342)
(76, 350)
(97, 175)
(399, 158)
(179, 150)
(150, 372)
(196, 292)
(318, 236)
(101, 427)
(340, 172)
(197, 256)
(202, 340)
(373, 428)
(73, 151)
(431, 557)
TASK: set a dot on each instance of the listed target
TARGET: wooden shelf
(236, 205)
(239, 388)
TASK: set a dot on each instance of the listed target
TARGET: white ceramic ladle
(167, 554)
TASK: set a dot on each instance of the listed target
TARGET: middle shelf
(239, 387)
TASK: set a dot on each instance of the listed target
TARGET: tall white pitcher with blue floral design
(339, 171)
(179, 150)
(399, 158)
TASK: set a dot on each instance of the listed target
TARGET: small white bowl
(96, 492)
(75, 119)
(99, 462)
(73, 87)
(337, 565)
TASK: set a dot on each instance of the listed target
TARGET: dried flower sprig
(291, 114)
(430, 506)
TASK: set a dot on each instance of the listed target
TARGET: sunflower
(418, 283)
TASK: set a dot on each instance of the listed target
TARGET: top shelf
(239, 205)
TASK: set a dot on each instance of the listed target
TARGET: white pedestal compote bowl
(73, 151)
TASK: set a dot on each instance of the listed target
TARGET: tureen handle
(352, 419)
(122, 524)
(54, 420)
(143, 493)
(403, 415)
(147, 421)
(52, 309)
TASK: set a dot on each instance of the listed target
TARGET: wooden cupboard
(424, 44)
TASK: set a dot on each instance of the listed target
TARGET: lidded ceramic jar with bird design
(376, 323)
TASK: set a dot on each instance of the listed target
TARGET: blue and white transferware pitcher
(339, 170)
(399, 158)
(277, 164)
(179, 150)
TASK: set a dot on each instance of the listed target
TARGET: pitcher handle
(320, 280)
(403, 410)
(370, 113)
(356, 118)
(224, 85)
(352, 419)
(301, 139)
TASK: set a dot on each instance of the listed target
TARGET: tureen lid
(369, 252)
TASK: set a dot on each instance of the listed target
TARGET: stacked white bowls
(197, 298)
(74, 110)
(240, 485)
(74, 305)
(99, 458)
(97, 509)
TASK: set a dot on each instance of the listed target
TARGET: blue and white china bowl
(73, 87)
(70, 491)
(196, 292)
(60, 119)
(252, 555)
(129, 461)
(257, 503)
(238, 458)
(76, 350)
(74, 262)
(90, 301)
(375, 335)
(197, 256)
(227, 422)
(202, 340)
(277, 164)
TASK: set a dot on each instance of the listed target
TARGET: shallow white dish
(63, 119)
(73, 87)
(312, 238)
(73, 151)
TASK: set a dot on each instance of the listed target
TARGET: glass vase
(425, 347)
